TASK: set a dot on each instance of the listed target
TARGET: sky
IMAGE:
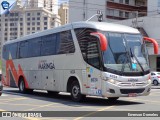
(60, 1)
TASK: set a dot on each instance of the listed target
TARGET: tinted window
(5, 52)
(49, 45)
(12, 51)
(89, 46)
(23, 49)
(65, 43)
(34, 47)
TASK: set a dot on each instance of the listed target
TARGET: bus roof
(103, 26)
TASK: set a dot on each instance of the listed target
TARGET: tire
(155, 82)
(112, 99)
(76, 92)
(21, 86)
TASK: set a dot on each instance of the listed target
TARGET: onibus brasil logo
(5, 5)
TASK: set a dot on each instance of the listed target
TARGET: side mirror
(103, 40)
(155, 44)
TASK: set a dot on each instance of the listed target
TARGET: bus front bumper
(113, 90)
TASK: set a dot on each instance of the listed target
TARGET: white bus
(82, 58)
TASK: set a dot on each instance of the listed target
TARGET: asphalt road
(12, 100)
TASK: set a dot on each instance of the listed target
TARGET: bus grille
(131, 84)
(127, 91)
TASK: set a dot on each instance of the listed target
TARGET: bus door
(93, 68)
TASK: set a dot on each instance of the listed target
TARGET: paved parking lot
(12, 100)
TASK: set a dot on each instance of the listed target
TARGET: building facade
(113, 10)
(63, 12)
(22, 21)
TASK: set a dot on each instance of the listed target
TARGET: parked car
(1, 86)
(155, 77)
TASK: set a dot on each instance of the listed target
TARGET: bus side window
(65, 43)
(34, 47)
(23, 49)
(5, 52)
(49, 45)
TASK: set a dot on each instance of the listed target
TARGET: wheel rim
(21, 86)
(155, 82)
(75, 91)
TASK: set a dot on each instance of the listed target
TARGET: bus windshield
(125, 53)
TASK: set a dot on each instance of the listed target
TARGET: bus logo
(44, 65)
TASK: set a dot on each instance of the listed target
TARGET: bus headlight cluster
(113, 81)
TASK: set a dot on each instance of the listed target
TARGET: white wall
(151, 25)
(153, 7)
(77, 9)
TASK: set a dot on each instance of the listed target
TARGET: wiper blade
(133, 55)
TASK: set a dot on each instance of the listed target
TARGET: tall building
(51, 5)
(63, 12)
(113, 10)
(26, 20)
(153, 7)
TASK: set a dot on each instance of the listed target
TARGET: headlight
(113, 81)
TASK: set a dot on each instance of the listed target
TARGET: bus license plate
(132, 95)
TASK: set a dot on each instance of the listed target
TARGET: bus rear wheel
(22, 87)
(76, 92)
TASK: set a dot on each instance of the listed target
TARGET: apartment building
(113, 10)
(26, 20)
(63, 12)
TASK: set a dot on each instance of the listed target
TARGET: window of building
(21, 19)
(28, 14)
(45, 18)
(121, 1)
(45, 23)
(110, 12)
(6, 19)
(120, 14)
(38, 23)
(5, 29)
(127, 14)
(38, 13)
(45, 28)
(21, 28)
(38, 18)
(21, 24)
(126, 1)
(28, 23)
(33, 18)
(38, 28)
(33, 28)
(6, 24)
(28, 28)
(33, 23)
(28, 19)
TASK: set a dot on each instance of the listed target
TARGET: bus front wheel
(76, 92)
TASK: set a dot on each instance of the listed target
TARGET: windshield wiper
(123, 65)
(133, 55)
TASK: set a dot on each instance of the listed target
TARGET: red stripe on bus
(16, 74)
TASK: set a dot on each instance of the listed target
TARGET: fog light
(111, 91)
